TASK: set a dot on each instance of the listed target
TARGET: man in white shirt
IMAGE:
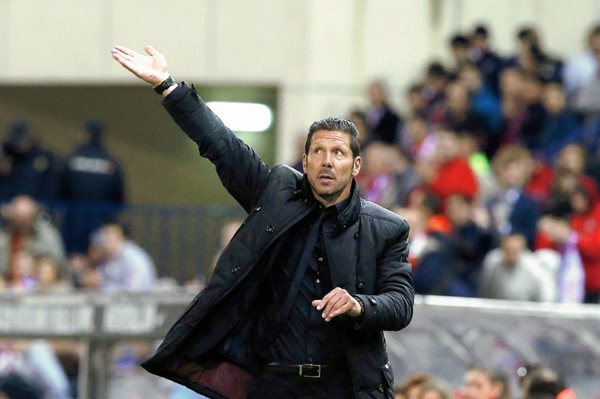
(513, 272)
(127, 267)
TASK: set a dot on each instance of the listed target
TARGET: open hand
(337, 302)
(151, 68)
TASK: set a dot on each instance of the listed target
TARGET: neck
(328, 201)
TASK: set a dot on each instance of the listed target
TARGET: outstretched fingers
(150, 50)
(151, 68)
(125, 50)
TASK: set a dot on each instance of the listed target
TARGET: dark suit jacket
(210, 348)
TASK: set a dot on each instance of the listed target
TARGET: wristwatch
(164, 85)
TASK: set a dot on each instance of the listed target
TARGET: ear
(356, 166)
(304, 162)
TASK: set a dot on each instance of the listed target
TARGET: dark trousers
(333, 384)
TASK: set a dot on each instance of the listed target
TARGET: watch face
(168, 82)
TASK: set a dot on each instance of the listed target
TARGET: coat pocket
(382, 383)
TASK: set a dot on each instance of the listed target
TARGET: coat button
(257, 208)
(360, 285)
(373, 301)
(270, 228)
(235, 270)
(380, 387)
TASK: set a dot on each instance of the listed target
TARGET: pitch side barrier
(446, 336)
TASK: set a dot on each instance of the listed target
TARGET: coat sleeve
(391, 307)
(240, 169)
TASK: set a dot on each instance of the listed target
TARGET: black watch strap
(164, 85)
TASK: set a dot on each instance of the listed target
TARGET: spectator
(535, 114)
(560, 126)
(412, 388)
(382, 122)
(432, 255)
(485, 105)
(434, 91)
(533, 59)
(406, 177)
(483, 383)
(582, 234)
(582, 68)
(93, 184)
(484, 57)
(558, 183)
(521, 107)
(29, 169)
(359, 118)
(513, 272)
(570, 274)
(468, 145)
(459, 47)
(49, 277)
(125, 265)
(417, 102)
(545, 383)
(511, 209)
(457, 113)
(513, 109)
(585, 99)
(386, 176)
(470, 242)
(434, 390)
(416, 138)
(26, 228)
(447, 172)
(22, 278)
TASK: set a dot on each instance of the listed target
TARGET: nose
(327, 160)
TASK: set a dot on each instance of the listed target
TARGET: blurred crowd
(535, 382)
(496, 166)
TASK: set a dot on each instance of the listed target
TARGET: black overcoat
(207, 348)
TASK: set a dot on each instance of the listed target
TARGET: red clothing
(17, 243)
(587, 225)
(454, 177)
(540, 183)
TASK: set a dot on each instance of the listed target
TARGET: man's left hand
(338, 302)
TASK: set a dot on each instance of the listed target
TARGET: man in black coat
(299, 299)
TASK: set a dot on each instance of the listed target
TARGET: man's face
(330, 166)
(512, 248)
(478, 386)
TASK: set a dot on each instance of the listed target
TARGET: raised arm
(240, 169)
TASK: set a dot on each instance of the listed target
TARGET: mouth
(324, 178)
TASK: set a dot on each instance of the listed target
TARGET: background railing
(181, 240)
(446, 336)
